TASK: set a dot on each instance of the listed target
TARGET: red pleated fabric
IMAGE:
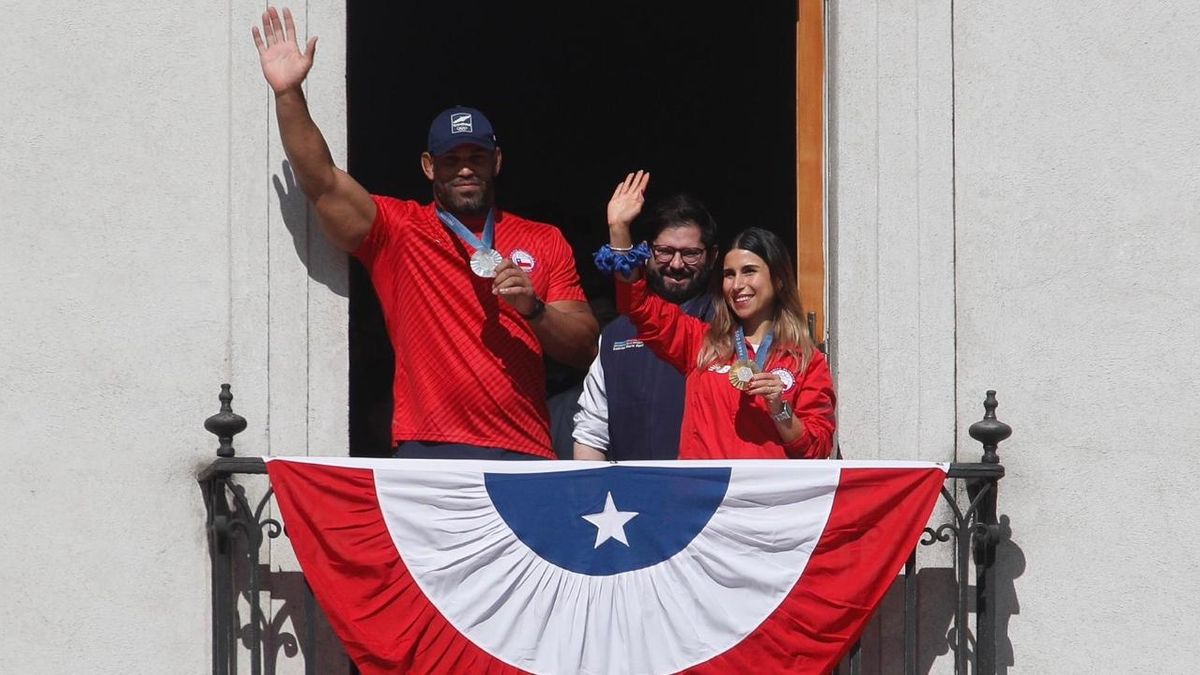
(877, 518)
(383, 619)
(388, 625)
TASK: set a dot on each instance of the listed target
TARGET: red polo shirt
(468, 367)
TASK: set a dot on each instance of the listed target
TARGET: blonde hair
(787, 313)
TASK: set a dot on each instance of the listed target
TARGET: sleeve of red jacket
(670, 332)
(814, 401)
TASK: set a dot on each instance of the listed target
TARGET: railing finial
(990, 431)
(225, 424)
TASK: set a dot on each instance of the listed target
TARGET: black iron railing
(250, 637)
(974, 531)
(259, 614)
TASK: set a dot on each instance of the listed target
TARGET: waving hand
(627, 200)
(283, 65)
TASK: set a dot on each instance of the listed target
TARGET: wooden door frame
(810, 159)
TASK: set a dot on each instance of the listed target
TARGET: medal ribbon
(760, 354)
(464, 233)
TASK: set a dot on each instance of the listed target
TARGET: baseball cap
(458, 125)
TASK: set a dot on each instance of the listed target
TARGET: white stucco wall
(146, 261)
(1015, 193)
(1014, 198)
(891, 253)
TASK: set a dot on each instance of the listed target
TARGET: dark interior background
(700, 94)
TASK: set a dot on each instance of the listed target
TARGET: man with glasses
(632, 402)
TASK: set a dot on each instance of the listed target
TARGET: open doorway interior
(702, 95)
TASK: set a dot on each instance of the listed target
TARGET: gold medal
(744, 368)
(741, 372)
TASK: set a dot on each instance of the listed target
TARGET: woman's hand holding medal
(768, 386)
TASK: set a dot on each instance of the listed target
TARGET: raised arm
(662, 325)
(623, 207)
(345, 209)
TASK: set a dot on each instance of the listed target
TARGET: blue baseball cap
(459, 125)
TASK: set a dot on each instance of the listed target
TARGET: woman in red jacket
(756, 387)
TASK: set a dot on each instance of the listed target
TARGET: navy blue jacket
(645, 394)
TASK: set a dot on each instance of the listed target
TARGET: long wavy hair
(787, 313)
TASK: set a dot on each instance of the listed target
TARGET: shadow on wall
(294, 632)
(882, 642)
(1010, 564)
(326, 264)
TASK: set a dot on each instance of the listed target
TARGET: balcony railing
(262, 617)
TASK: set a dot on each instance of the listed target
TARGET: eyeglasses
(665, 254)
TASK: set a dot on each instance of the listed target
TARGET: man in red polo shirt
(472, 295)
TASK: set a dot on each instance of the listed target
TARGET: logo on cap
(460, 123)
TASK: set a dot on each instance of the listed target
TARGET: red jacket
(719, 420)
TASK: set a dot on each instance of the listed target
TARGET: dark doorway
(702, 95)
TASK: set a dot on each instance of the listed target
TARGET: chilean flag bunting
(739, 566)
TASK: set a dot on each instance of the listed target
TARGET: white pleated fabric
(543, 618)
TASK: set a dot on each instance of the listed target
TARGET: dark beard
(678, 296)
(466, 206)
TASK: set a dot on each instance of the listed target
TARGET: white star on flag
(610, 523)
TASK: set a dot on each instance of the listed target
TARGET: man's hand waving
(625, 205)
(283, 65)
(344, 209)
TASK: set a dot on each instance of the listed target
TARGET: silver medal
(484, 262)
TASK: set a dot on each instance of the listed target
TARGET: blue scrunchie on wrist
(609, 261)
